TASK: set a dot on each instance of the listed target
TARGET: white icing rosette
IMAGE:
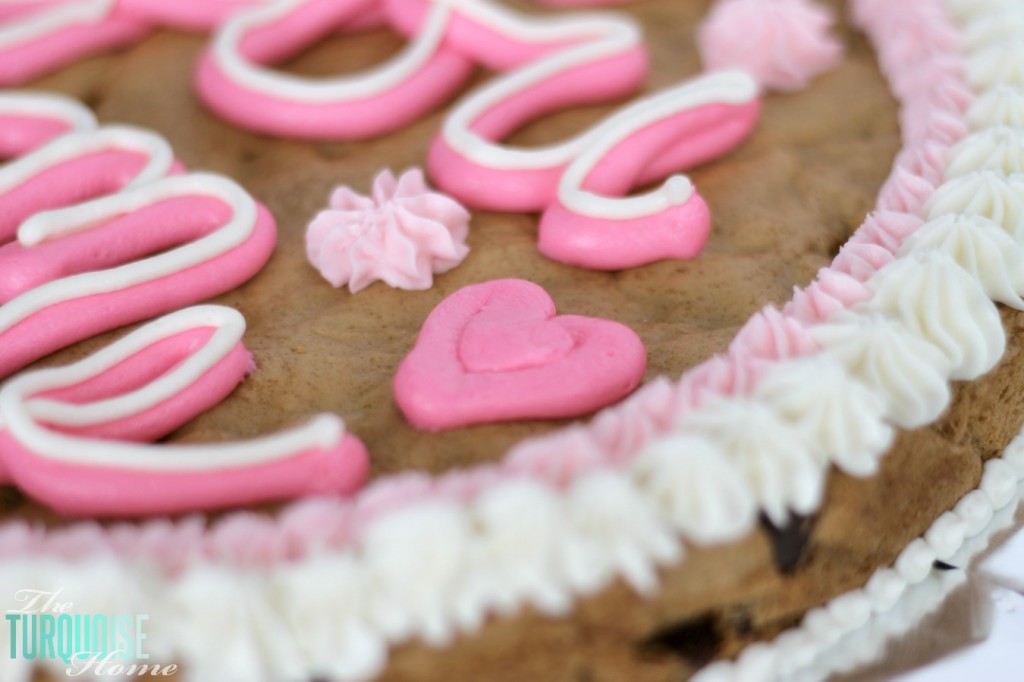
(907, 371)
(842, 419)
(981, 248)
(997, 148)
(701, 491)
(776, 460)
(613, 530)
(1001, 63)
(321, 602)
(987, 193)
(520, 526)
(430, 541)
(994, 27)
(1002, 105)
(938, 301)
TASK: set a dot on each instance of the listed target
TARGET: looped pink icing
(783, 44)
(402, 235)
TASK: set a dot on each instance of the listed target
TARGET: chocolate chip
(789, 543)
(10, 499)
(738, 621)
(696, 640)
(943, 566)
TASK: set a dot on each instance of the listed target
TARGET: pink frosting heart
(496, 351)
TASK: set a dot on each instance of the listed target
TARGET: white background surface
(1000, 657)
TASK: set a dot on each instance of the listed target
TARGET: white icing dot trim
(853, 628)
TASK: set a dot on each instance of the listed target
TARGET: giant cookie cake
(795, 479)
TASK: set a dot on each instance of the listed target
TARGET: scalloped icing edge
(853, 629)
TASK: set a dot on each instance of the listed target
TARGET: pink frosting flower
(781, 43)
(401, 235)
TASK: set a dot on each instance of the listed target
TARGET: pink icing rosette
(402, 235)
(781, 43)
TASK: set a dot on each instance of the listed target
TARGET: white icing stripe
(49, 106)
(159, 156)
(611, 36)
(54, 19)
(729, 87)
(227, 51)
(226, 47)
(229, 326)
(20, 412)
(232, 234)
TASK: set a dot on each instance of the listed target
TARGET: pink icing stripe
(485, 45)
(143, 368)
(10, 12)
(309, 22)
(346, 118)
(194, 15)
(679, 231)
(33, 59)
(146, 232)
(65, 323)
(353, 119)
(129, 22)
(583, 3)
(243, 540)
(676, 143)
(21, 134)
(144, 386)
(72, 182)
(499, 189)
(108, 491)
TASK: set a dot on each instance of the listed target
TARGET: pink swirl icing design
(403, 234)
(320, 523)
(609, 439)
(782, 43)
(44, 35)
